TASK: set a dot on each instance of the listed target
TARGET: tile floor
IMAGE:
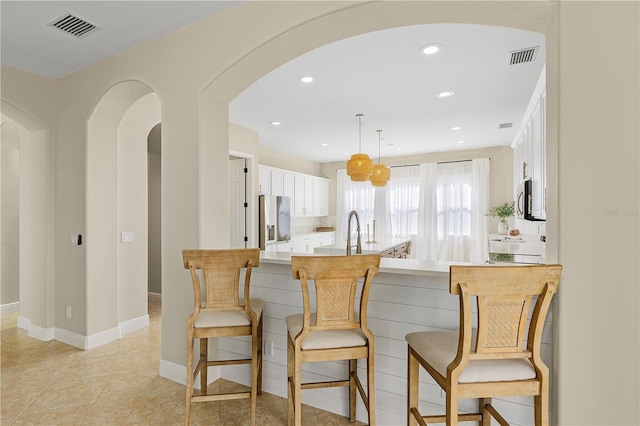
(51, 383)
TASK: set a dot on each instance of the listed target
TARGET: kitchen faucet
(358, 241)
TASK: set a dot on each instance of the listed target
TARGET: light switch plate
(126, 237)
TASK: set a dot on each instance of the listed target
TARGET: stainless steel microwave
(524, 201)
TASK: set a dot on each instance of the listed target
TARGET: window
(453, 199)
(403, 200)
(441, 205)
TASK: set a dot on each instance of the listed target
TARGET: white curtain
(479, 250)
(453, 195)
(426, 245)
(358, 196)
(443, 205)
(382, 215)
(403, 201)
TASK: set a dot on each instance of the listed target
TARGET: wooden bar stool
(222, 314)
(492, 360)
(334, 331)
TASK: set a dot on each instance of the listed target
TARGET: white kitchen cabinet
(320, 197)
(264, 180)
(277, 182)
(284, 246)
(538, 169)
(309, 194)
(306, 243)
(303, 195)
(287, 184)
(530, 150)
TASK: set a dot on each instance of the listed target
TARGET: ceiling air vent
(73, 25)
(504, 125)
(523, 55)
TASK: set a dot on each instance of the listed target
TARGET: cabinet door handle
(524, 170)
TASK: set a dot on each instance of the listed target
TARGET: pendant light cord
(359, 132)
(379, 132)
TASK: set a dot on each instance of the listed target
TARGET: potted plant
(503, 211)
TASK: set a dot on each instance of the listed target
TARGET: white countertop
(377, 247)
(387, 265)
(526, 244)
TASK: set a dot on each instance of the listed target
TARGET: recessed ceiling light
(460, 141)
(456, 128)
(275, 123)
(325, 144)
(431, 48)
(346, 153)
(306, 79)
(445, 94)
(398, 148)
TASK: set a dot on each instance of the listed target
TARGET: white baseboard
(70, 338)
(178, 373)
(102, 338)
(10, 308)
(40, 333)
(23, 323)
(133, 324)
(37, 332)
(172, 371)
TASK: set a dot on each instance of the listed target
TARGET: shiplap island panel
(408, 295)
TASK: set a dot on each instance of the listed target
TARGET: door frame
(251, 195)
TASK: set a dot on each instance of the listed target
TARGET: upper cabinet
(530, 150)
(264, 181)
(309, 194)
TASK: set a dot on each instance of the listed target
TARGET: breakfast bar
(408, 295)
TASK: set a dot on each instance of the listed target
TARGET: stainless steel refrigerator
(274, 220)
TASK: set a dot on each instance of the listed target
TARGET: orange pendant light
(360, 166)
(381, 173)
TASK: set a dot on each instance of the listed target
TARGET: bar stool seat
(222, 313)
(496, 351)
(335, 330)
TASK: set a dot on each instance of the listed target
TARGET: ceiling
(28, 43)
(382, 75)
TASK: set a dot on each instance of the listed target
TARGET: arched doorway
(29, 246)
(366, 18)
(117, 211)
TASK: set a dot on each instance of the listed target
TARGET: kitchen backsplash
(307, 225)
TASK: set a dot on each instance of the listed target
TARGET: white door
(237, 202)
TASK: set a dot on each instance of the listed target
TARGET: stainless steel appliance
(274, 220)
(524, 202)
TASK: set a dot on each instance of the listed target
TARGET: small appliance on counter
(274, 220)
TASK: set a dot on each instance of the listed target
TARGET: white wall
(154, 181)
(9, 216)
(27, 101)
(10, 219)
(599, 326)
(592, 47)
(103, 195)
(133, 215)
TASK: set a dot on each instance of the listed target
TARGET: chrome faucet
(359, 240)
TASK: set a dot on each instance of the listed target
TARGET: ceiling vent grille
(523, 55)
(504, 125)
(73, 25)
